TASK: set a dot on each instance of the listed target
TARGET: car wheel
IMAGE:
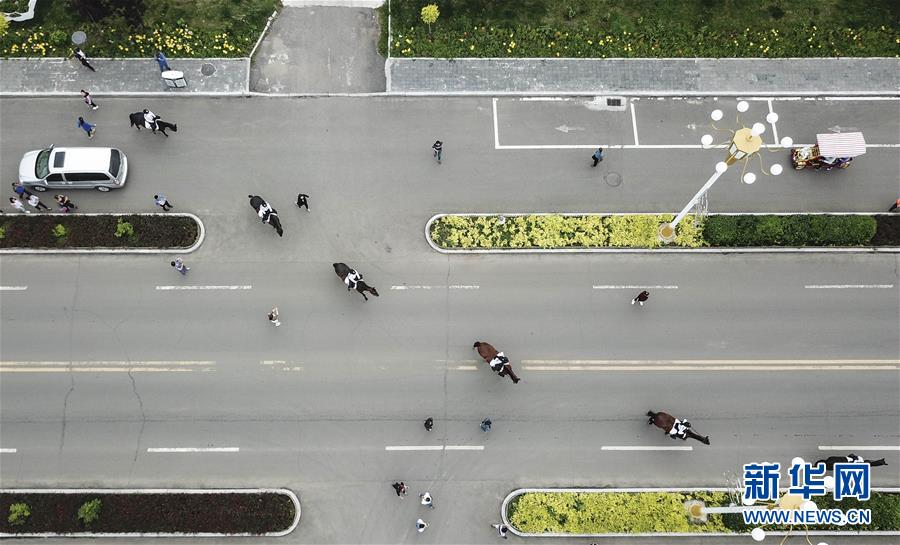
(39, 188)
(102, 188)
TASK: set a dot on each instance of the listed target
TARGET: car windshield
(42, 164)
(114, 162)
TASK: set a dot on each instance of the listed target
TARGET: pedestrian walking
(35, 201)
(429, 423)
(486, 425)
(79, 54)
(641, 298)
(273, 317)
(162, 61)
(19, 189)
(65, 204)
(303, 201)
(17, 204)
(438, 148)
(597, 156)
(421, 525)
(895, 206)
(180, 266)
(501, 530)
(162, 202)
(401, 489)
(426, 500)
(89, 100)
(87, 127)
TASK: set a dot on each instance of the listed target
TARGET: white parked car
(73, 168)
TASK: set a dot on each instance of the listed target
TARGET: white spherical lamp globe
(821, 543)
(772, 117)
(749, 178)
(721, 167)
(758, 128)
(796, 460)
(716, 115)
(743, 106)
(758, 534)
(828, 481)
(706, 140)
(748, 501)
(776, 170)
(808, 505)
(787, 142)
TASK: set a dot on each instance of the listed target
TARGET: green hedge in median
(641, 231)
(653, 512)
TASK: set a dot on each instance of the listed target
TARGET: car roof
(81, 159)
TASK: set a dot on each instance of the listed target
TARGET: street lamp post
(745, 143)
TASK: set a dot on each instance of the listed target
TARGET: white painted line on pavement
(464, 447)
(648, 146)
(13, 288)
(171, 288)
(849, 286)
(496, 131)
(545, 99)
(7, 451)
(452, 287)
(774, 128)
(634, 287)
(852, 448)
(634, 125)
(408, 447)
(710, 365)
(104, 366)
(465, 368)
(644, 448)
(195, 449)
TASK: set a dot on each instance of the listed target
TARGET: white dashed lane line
(849, 286)
(105, 366)
(432, 447)
(633, 287)
(13, 288)
(8, 451)
(193, 449)
(438, 287)
(852, 448)
(609, 447)
(183, 288)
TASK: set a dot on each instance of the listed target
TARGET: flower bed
(642, 28)
(654, 512)
(255, 512)
(73, 231)
(213, 28)
(574, 231)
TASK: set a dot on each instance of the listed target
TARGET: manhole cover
(79, 37)
(207, 69)
(613, 179)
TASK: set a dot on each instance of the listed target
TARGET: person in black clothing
(641, 297)
(303, 201)
(429, 423)
(400, 488)
(79, 54)
(438, 147)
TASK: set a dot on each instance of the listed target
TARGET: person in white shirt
(17, 204)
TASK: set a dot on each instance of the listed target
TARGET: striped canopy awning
(842, 144)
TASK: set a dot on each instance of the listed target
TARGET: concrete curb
(282, 491)
(509, 497)
(45, 251)
(735, 250)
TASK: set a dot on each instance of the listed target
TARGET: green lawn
(648, 28)
(138, 28)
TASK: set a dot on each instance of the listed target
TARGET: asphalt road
(313, 405)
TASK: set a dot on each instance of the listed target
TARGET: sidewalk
(654, 77)
(48, 76)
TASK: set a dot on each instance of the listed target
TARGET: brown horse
(495, 360)
(850, 458)
(342, 270)
(666, 422)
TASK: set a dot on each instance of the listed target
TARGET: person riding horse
(849, 459)
(266, 213)
(353, 280)
(675, 428)
(497, 360)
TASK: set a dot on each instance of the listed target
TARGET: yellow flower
(472, 47)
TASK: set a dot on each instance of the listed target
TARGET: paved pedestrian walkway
(879, 76)
(121, 76)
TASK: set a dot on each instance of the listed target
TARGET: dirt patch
(887, 230)
(255, 513)
(98, 231)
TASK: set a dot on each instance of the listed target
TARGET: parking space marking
(172, 288)
(608, 447)
(774, 128)
(852, 448)
(849, 286)
(634, 125)
(13, 288)
(193, 449)
(496, 130)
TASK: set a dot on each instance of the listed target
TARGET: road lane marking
(432, 447)
(634, 125)
(849, 286)
(7, 451)
(774, 128)
(606, 447)
(173, 288)
(496, 130)
(710, 365)
(437, 287)
(105, 366)
(852, 448)
(634, 287)
(13, 288)
(194, 449)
